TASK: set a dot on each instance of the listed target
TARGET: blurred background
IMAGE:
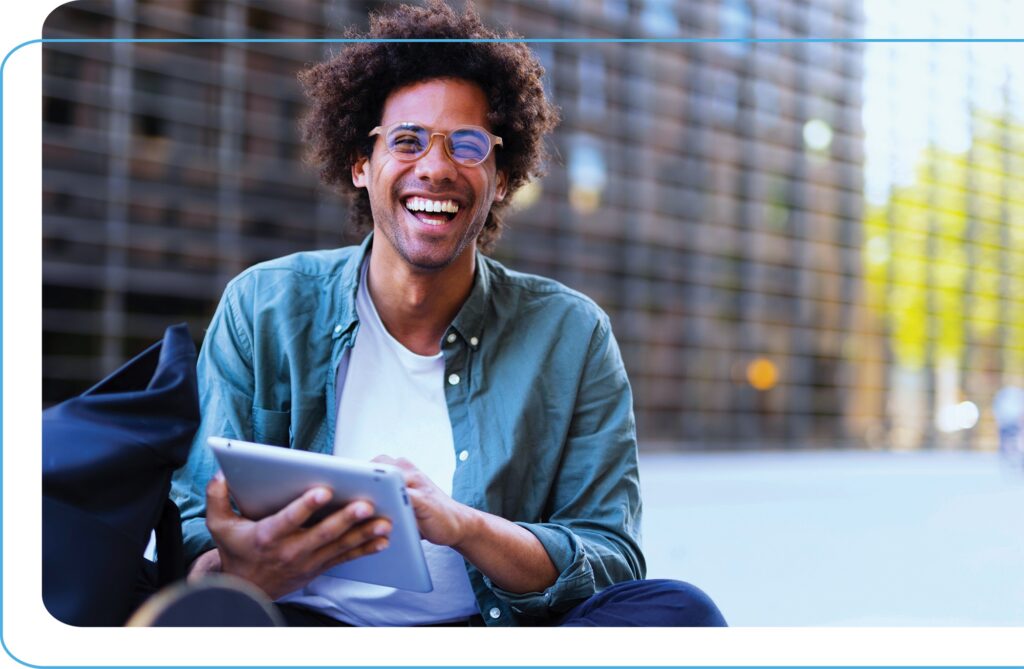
(801, 245)
(811, 248)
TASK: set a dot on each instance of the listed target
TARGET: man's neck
(417, 306)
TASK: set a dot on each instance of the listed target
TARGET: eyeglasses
(467, 145)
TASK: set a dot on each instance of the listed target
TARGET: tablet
(264, 479)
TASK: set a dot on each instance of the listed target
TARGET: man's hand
(207, 563)
(511, 556)
(441, 519)
(279, 555)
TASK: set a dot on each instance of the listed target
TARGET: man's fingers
(336, 525)
(218, 502)
(292, 517)
(369, 548)
(368, 532)
(419, 500)
(205, 564)
(410, 472)
(402, 463)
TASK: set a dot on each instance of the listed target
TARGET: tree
(944, 257)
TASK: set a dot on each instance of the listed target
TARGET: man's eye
(468, 150)
(407, 143)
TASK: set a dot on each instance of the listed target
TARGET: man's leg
(654, 603)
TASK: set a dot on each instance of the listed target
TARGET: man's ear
(360, 169)
(501, 187)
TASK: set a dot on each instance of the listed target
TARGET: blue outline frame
(599, 40)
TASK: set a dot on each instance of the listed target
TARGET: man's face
(430, 241)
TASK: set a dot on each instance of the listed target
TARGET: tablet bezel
(264, 479)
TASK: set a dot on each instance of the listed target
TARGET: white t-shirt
(394, 405)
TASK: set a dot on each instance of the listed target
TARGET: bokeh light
(762, 374)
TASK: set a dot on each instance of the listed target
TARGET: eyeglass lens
(468, 146)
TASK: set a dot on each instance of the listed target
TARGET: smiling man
(501, 395)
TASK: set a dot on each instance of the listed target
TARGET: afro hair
(348, 90)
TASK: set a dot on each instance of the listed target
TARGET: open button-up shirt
(540, 407)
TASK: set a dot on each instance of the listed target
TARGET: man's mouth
(432, 212)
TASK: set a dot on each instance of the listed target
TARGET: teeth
(432, 206)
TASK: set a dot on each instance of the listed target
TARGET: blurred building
(710, 200)
(167, 169)
(709, 196)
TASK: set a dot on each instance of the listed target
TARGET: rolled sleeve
(592, 529)
(575, 580)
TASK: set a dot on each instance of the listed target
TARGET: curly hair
(347, 94)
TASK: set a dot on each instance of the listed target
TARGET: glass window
(658, 17)
(592, 100)
(734, 19)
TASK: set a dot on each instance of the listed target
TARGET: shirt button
(474, 341)
(454, 379)
(451, 338)
(495, 612)
(463, 456)
(337, 329)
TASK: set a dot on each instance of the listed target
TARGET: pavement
(841, 538)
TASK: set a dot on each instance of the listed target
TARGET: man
(502, 396)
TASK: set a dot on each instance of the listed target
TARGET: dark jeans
(654, 603)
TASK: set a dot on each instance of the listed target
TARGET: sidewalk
(841, 538)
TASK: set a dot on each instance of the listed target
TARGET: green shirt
(537, 396)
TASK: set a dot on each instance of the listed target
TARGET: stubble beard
(399, 237)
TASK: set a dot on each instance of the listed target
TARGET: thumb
(218, 499)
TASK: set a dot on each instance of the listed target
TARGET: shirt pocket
(271, 427)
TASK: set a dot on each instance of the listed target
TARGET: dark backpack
(108, 456)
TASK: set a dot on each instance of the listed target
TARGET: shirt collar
(468, 322)
(349, 282)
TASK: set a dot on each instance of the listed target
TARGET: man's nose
(435, 164)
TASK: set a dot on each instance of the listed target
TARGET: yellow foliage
(944, 259)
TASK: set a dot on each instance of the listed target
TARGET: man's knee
(686, 605)
(648, 603)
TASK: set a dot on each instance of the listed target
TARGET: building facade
(708, 195)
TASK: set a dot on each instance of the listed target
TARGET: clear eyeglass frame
(382, 130)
